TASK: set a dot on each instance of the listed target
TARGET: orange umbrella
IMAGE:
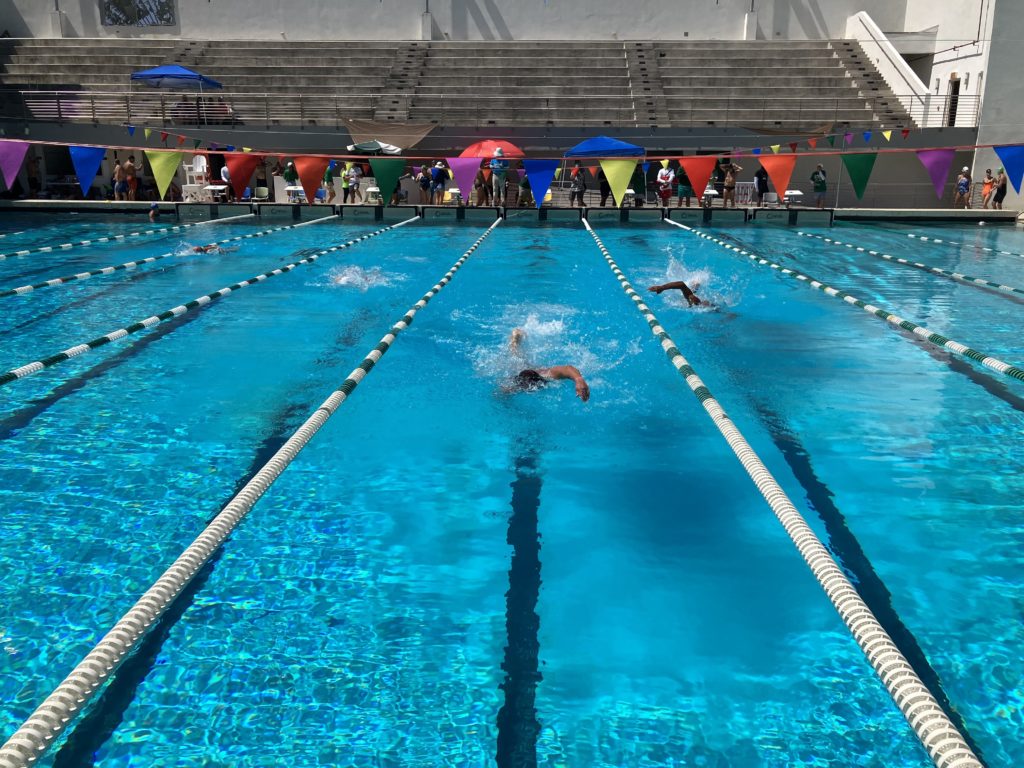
(486, 149)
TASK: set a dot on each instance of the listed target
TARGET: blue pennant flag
(131, 130)
(1013, 162)
(867, 136)
(540, 173)
(756, 151)
(87, 162)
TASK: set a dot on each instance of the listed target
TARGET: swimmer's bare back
(691, 298)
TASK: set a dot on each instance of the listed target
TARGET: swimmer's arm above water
(689, 295)
(560, 372)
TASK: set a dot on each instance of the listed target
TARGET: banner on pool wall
(540, 173)
(164, 166)
(859, 167)
(937, 163)
(240, 171)
(1013, 163)
(87, 162)
(12, 155)
(618, 172)
(311, 174)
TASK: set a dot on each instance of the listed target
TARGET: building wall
(465, 19)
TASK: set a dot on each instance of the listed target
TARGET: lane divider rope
(955, 244)
(12, 234)
(23, 289)
(117, 238)
(56, 712)
(944, 743)
(197, 303)
(920, 331)
(959, 277)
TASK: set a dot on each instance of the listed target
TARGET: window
(137, 13)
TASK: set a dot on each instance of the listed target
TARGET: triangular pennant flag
(664, 164)
(311, 174)
(831, 140)
(229, 148)
(387, 171)
(792, 146)
(487, 175)
(619, 172)
(164, 165)
(887, 135)
(937, 163)
(812, 143)
(780, 169)
(755, 151)
(776, 148)
(1013, 162)
(147, 132)
(647, 166)
(464, 172)
(905, 132)
(698, 170)
(859, 167)
(86, 161)
(541, 173)
(181, 140)
(847, 138)
(249, 149)
(196, 143)
(593, 170)
(163, 136)
(240, 170)
(867, 136)
(12, 155)
(131, 130)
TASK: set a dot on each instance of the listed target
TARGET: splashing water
(352, 276)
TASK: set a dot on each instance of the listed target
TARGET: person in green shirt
(329, 182)
(820, 181)
(291, 178)
(345, 192)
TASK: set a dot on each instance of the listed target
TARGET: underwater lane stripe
(23, 289)
(936, 732)
(960, 278)
(47, 362)
(938, 340)
(955, 244)
(112, 238)
(57, 711)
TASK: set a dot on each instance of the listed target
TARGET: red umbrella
(486, 149)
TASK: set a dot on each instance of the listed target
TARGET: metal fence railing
(267, 110)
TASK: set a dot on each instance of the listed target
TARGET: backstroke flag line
(86, 161)
(540, 173)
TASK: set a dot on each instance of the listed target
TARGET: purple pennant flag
(937, 163)
(86, 161)
(464, 172)
(847, 138)
(12, 155)
(541, 173)
(1013, 162)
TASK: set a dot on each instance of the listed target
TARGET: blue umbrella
(173, 76)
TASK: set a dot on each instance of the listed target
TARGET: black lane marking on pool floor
(854, 561)
(518, 727)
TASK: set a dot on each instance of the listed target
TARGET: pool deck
(791, 216)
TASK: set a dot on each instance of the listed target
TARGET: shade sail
(174, 76)
(605, 146)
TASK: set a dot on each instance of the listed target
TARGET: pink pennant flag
(464, 172)
(937, 162)
(12, 155)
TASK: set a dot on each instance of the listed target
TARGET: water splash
(352, 276)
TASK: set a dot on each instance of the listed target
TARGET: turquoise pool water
(449, 575)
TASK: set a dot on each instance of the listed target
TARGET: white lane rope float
(945, 744)
(12, 234)
(955, 244)
(23, 289)
(197, 303)
(57, 711)
(920, 331)
(959, 277)
(118, 238)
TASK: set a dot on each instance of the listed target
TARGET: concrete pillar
(427, 27)
(750, 26)
(58, 24)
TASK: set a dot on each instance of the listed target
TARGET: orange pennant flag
(311, 173)
(780, 169)
(240, 170)
(698, 170)
(812, 143)
(792, 146)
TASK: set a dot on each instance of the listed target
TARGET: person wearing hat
(499, 171)
(1000, 193)
(988, 188)
(154, 212)
(962, 197)
(355, 173)
(438, 177)
(291, 178)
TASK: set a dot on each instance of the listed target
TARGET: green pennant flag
(164, 165)
(386, 171)
(831, 140)
(196, 143)
(859, 167)
(618, 173)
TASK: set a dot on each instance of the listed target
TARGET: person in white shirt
(665, 178)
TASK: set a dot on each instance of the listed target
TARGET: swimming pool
(449, 575)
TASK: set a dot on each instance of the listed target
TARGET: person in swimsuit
(988, 188)
(1000, 193)
(154, 212)
(731, 169)
(120, 185)
(692, 299)
(212, 248)
(532, 379)
(131, 176)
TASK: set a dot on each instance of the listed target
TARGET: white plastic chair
(262, 194)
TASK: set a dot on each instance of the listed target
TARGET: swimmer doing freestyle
(530, 379)
(691, 298)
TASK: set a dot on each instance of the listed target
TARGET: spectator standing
(346, 193)
(482, 189)
(962, 196)
(820, 181)
(1000, 193)
(120, 184)
(761, 180)
(525, 192)
(131, 177)
(399, 195)
(499, 171)
(355, 173)
(423, 182)
(731, 172)
(291, 178)
(438, 177)
(685, 187)
(34, 182)
(988, 188)
(577, 184)
(666, 176)
(329, 182)
(604, 186)
(225, 178)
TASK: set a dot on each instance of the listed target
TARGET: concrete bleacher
(786, 85)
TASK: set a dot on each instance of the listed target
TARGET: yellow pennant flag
(618, 173)
(664, 163)
(775, 148)
(247, 149)
(147, 131)
(164, 165)
(887, 134)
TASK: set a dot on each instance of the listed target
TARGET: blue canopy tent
(173, 77)
(605, 146)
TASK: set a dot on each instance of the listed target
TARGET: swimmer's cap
(154, 206)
